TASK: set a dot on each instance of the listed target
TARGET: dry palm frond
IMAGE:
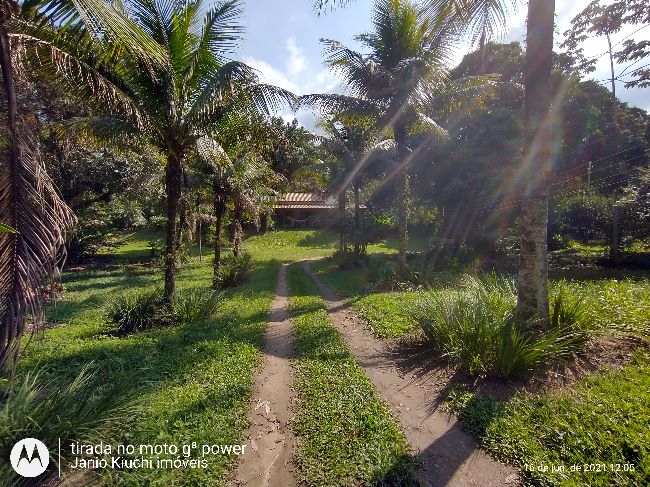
(31, 255)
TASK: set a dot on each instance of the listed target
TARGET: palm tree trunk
(357, 220)
(403, 204)
(219, 213)
(237, 232)
(173, 179)
(532, 285)
(343, 244)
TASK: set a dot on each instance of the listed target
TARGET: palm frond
(426, 125)
(29, 257)
(335, 103)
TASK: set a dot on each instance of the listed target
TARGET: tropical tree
(177, 105)
(239, 178)
(407, 60)
(28, 200)
(354, 142)
(532, 287)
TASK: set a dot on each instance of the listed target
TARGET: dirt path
(267, 458)
(449, 456)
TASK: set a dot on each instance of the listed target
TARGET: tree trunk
(403, 203)
(173, 180)
(343, 244)
(357, 220)
(182, 211)
(219, 213)
(532, 285)
(236, 233)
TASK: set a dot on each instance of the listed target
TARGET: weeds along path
(448, 455)
(267, 458)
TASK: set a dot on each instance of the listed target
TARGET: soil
(447, 455)
(267, 458)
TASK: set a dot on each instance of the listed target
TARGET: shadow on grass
(323, 239)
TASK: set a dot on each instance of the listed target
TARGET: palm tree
(239, 178)
(177, 105)
(532, 286)
(355, 143)
(29, 203)
(408, 58)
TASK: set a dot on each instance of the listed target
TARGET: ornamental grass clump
(476, 326)
(133, 312)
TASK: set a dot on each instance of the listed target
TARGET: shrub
(195, 305)
(139, 311)
(233, 271)
(476, 326)
(144, 310)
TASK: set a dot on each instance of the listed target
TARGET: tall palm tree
(355, 143)
(177, 105)
(239, 178)
(408, 57)
(532, 284)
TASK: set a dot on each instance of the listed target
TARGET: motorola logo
(29, 457)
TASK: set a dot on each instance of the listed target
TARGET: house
(305, 209)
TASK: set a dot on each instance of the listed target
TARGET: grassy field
(596, 433)
(193, 382)
(347, 437)
(173, 385)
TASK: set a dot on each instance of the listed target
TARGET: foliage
(139, 311)
(57, 410)
(475, 325)
(600, 421)
(605, 20)
(583, 216)
(336, 400)
(234, 270)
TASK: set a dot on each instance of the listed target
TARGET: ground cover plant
(336, 400)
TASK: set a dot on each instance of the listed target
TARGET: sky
(282, 43)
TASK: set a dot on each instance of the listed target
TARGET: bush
(140, 311)
(233, 271)
(195, 305)
(144, 310)
(476, 326)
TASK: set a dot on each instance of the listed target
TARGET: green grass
(347, 436)
(189, 383)
(605, 419)
(291, 245)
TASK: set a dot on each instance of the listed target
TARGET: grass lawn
(347, 436)
(183, 384)
(601, 425)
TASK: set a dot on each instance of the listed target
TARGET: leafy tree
(606, 20)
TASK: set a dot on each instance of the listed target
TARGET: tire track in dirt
(267, 459)
(448, 455)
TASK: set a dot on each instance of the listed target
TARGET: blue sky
(282, 42)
